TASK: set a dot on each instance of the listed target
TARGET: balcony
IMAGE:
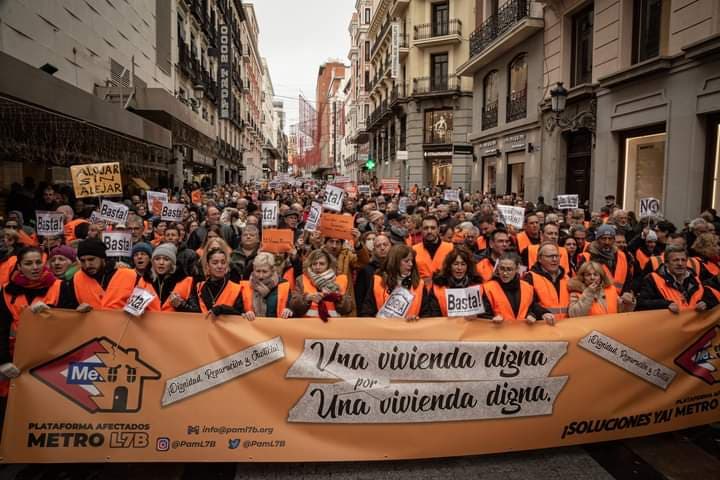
(490, 115)
(404, 45)
(379, 39)
(436, 85)
(399, 93)
(398, 7)
(515, 22)
(438, 33)
(516, 105)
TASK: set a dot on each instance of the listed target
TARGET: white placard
(333, 198)
(117, 244)
(567, 201)
(402, 205)
(269, 213)
(49, 223)
(95, 218)
(451, 196)
(397, 304)
(649, 207)
(364, 189)
(113, 212)
(313, 220)
(138, 301)
(463, 302)
(514, 216)
(172, 212)
(153, 197)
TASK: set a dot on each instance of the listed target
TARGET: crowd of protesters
(568, 263)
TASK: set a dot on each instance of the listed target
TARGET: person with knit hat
(141, 253)
(171, 287)
(99, 284)
(62, 262)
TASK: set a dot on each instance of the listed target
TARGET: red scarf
(45, 281)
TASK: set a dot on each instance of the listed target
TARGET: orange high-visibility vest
(308, 287)
(6, 269)
(711, 267)
(501, 305)
(485, 268)
(289, 275)
(482, 242)
(533, 254)
(427, 266)
(672, 295)
(381, 295)
(69, 229)
(611, 300)
(549, 297)
(642, 258)
(183, 288)
(283, 293)
(88, 290)
(523, 241)
(621, 269)
(228, 296)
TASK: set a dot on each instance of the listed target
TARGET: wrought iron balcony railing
(435, 84)
(490, 115)
(438, 29)
(516, 105)
(495, 26)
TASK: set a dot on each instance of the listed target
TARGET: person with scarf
(507, 298)
(458, 271)
(63, 262)
(399, 271)
(218, 295)
(617, 264)
(171, 287)
(266, 293)
(592, 293)
(319, 292)
(30, 281)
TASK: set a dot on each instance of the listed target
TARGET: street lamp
(583, 119)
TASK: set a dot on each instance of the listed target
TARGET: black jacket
(650, 297)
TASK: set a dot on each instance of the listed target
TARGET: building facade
(329, 79)
(421, 111)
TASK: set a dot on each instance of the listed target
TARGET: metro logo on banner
(269, 213)
(463, 302)
(97, 179)
(649, 207)
(567, 201)
(172, 212)
(389, 186)
(49, 223)
(113, 212)
(117, 244)
(313, 220)
(333, 198)
(514, 216)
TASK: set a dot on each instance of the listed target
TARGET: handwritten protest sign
(514, 216)
(313, 220)
(649, 207)
(269, 211)
(172, 212)
(117, 244)
(97, 179)
(113, 212)
(277, 240)
(49, 223)
(333, 225)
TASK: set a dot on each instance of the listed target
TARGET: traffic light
(370, 164)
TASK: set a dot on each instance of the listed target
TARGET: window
(517, 88)
(366, 85)
(367, 51)
(131, 374)
(367, 16)
(112, 374)
(649, 19)
(438, 126)
(440, 18)
(439, 72)
(582, 45)
(490, 100)
(642, 169)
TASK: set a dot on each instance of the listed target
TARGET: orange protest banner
(349, 389)
(196, 197)
(334, 225)
(277, 240)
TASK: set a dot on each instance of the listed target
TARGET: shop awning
(141, 183)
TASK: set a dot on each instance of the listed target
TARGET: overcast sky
(296, 37)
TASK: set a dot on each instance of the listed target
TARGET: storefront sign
(113, 212)
(514, 142)
(438, 154)
(97, 180)
(101, 387)
(488, 148)
(49, 223)
(269, 213)
(117, 244)
(395, 50)
(463, 302)
(224, 69)
(401, 155)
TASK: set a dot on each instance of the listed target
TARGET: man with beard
(499, 244)
(212, 218)
(364, 281)
(431, 253)
(614, 261)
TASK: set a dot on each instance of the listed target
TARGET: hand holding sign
(313, 219)
(649, 207)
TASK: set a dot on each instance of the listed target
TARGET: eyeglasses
(552, 257)
(14, 227)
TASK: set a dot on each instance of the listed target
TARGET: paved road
(692, 454)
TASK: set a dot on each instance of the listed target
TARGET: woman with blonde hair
(707, 257)
(266, 293)
(319, 292)
(217, 294)
(592, 293)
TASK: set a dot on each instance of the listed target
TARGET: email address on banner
(227, 430)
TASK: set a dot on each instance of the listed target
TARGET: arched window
(517, 88)
(490, 100)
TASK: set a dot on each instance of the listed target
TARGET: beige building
(420, 110)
